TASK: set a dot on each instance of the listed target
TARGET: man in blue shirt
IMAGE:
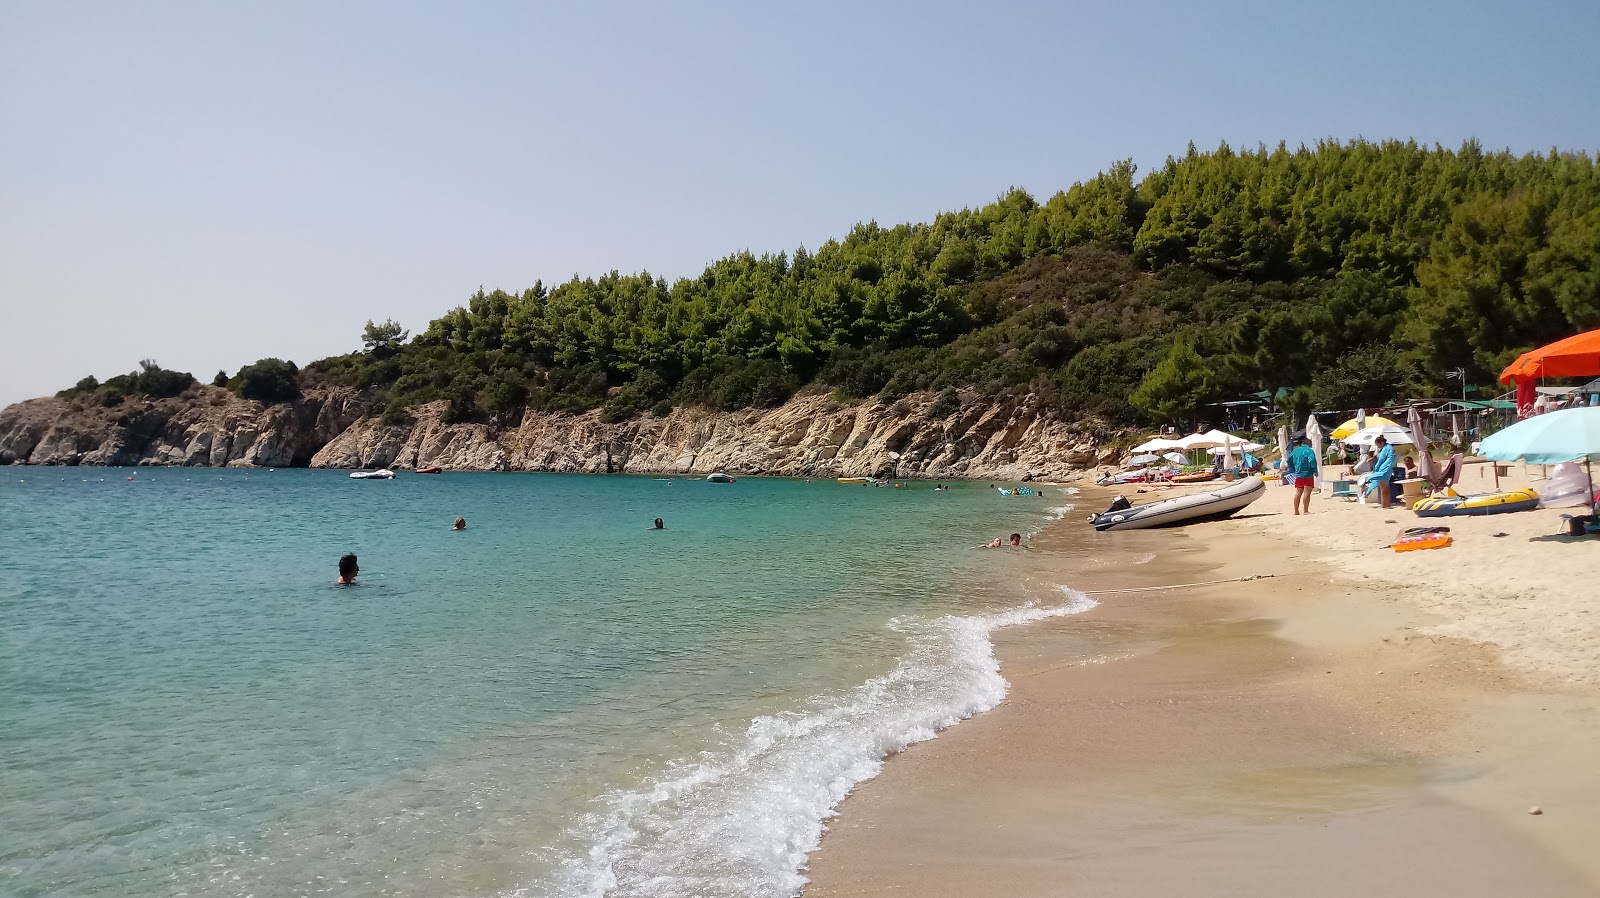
(1303, 468)
(1382, 471)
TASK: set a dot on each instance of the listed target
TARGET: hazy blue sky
(210, 183)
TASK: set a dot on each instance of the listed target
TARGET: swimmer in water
(348, 570)
(660, 525)
(460, 524)
(1016, 539)
(994, 543)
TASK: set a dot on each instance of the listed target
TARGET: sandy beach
(1351, 719)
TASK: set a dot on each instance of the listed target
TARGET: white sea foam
(740, 822)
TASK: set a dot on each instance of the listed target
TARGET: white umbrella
(1361, 424)
(1208, 440)
(1144, 459)
(1420, 439)
(1246, 447)
(1177, 458)
(1367, 436)
(1283, 442)
(1157, 444)
(1314, 437)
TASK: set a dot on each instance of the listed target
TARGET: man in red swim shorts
(1303, 467)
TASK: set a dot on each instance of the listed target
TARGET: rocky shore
(811, 435)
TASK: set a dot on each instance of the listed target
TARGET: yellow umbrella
(1350, 426)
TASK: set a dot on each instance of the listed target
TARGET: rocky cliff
(204, 426)
(810, 435)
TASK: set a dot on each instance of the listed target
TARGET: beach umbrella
(1283, 442)
(1548, 439)
(1314, 437)
(1361, 420)
(1208, 440)
(1242, 447)
(1365, 437)
(1157, 444)
(1144, 459)
(1576, 356)
(1420, 440)
(1176, 458)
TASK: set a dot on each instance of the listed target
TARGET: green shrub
(269, 381)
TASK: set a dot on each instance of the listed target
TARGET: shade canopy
(1144, 459)
(1176, 458)
(1548, 439)
(1576, 356)
(1368, 436)
(1358, 423)
(1158, 444)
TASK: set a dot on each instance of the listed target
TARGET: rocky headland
(811, 435)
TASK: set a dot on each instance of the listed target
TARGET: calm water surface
(557, 701)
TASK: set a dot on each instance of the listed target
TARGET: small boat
(1020, 491)
(719, 477)
(857, 480)
(1207, 506)
(1196, 477)
(431, 469)
(1483, 503)
(380, 474)
(1122, 477)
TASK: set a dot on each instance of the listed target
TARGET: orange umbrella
(1576, 356)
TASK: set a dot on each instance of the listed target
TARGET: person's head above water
(460, 524)
(348, 569)
(1016, 539)
(660, 525)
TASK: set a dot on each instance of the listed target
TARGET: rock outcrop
(811, 435)
(206, 426)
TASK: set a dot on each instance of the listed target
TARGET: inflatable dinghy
(1207, 506)
(1484, 503)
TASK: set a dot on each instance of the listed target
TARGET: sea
(558, 700)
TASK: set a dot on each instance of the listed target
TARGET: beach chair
(1344, 489)
(1448, 475)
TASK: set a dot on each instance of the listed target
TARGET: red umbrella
(1576, 356)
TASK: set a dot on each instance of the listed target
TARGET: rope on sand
(1095, 592)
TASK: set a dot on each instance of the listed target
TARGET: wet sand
(1302, 734)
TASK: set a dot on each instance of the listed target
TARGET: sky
(208, 184)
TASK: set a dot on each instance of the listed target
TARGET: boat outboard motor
(1120, 503)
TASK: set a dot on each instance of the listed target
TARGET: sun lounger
(1344, 489)
(1448, 475)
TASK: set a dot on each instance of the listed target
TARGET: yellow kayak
(1483, 503)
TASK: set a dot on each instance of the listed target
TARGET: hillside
(1358, 273)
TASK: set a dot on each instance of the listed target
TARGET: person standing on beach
(1383, 470)
(1303, 467)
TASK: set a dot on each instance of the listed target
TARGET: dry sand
(1361, 721)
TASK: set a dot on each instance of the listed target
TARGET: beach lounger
(1344, 489)
(1448, 475)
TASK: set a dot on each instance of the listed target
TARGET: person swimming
(660, 525)
(1016, 539)
(348, 568)
(460, 524)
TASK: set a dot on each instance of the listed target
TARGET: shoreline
(1322, 731)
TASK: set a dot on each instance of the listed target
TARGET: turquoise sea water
(556, 701)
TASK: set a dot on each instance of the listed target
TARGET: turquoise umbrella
(1548, 439)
